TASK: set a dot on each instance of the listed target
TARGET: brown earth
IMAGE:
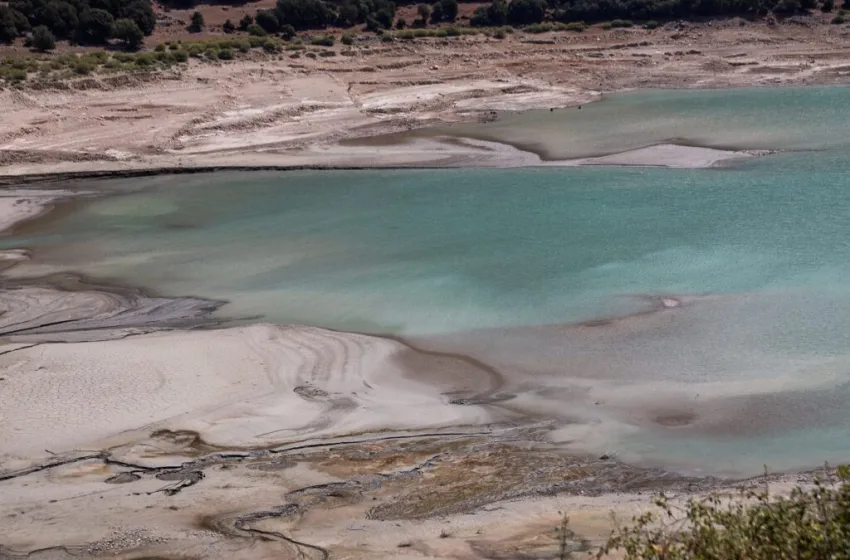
(292, 109)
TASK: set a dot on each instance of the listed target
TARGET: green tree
(139, 11)
(127, 31)
(228, 27)
(267, 20)
(60, 17)
(8, 29)
(196, 24)
(436, 12)
(449, 9)
(287, 32)
(95, 27)
(497, 13)
(524, 12)
(424, 11)
(246, 21)
(305, 14)
(828, 5)
(42, 39)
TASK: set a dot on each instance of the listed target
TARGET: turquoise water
(746, 118)
(477, 260)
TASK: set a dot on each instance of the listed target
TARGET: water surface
(751, 369)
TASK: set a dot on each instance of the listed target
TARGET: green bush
(256, 42)
(268, 21)
(42, 39)
(326, 41)
(228, 27)
(144, 60)
(499, 34)
(401, 23)
(195, 50)
(256, 31)
(243, 46)
(538, 28)
(83, 68)
(577, 26)
(14, 75)
(245, 22)
(128, 32)
(451, 31)
(809, 524)
(211, 53)
(287, 32)
(225, 54)
(828, 5)
(347, 39)
(159, 48)
(196, 24)
(271, 46)
(621, 23)
(180, 56)
(651, 24)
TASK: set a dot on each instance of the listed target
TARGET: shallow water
(752, 368)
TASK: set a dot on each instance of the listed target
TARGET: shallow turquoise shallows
(430, 252)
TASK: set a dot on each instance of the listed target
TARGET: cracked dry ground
(463, 494)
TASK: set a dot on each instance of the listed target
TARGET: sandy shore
(290, 112)
(269, 441)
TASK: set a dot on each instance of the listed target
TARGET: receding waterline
(521, 269)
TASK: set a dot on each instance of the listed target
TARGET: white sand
(234, 386)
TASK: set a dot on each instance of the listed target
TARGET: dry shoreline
(269, 441)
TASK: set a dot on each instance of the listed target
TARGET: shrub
(809, 524)
(256, 30)
(211, 53)
(112, 64)
(243, 46)
(499, 34)
(449, 9)
(95, 27)
(523, 12)
(82, 68)
(424, 11)
(196, 24)
(538, 28)
(159, 48)
(651, 24)
(225, 54)
(15, 75)
(270, 46)
(838, 20)
(401, 23)
(164, 56)
(180, 56)
(305, 14)
(577, 26)
(42, 39)
(267, 20)
(347, 40)
(287, 32)
(326, 41)
(621, 23)
(127, 31)
(451, 31)
(195, 50)
(436, 12)
(228, 27)
(828, 5)
(245, 22)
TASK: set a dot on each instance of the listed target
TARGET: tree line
(88, 22)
